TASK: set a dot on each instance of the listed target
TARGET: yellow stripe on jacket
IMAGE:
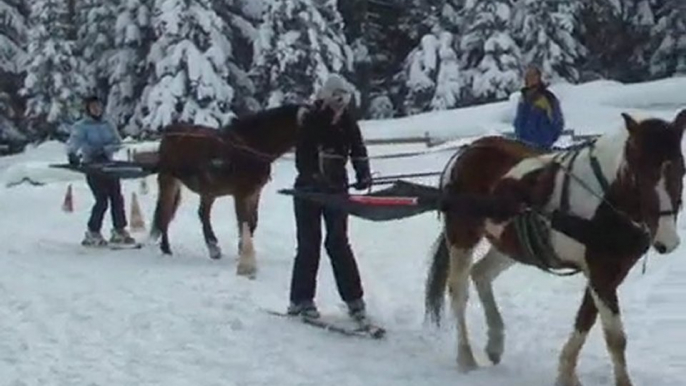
(544, 104)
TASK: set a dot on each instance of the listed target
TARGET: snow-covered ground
(79, 317)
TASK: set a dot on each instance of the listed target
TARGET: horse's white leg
(608, 308)
(458, 284)
(247, 265)
(485, 271)
(569, 357)
(246, 215)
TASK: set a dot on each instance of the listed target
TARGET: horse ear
(680, 121)
(631, 124)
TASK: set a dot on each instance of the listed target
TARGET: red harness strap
(390, 201)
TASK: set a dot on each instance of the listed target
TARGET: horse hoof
(494, 357)
(465, 368)
(571, 381)
(465, 360)
(495, 347)
(215, 251)
(246, 270)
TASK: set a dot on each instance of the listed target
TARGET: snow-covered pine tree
(377, 32)
(616, 36)
(449, 78)
(641, 12)
(95, 24)
(189, 82)
(241, 18)
(452, 15)
(639, 15)
(13, 37)
(431, 77)
(491, 57)
(54, 84)
(300, 43)
(669, 57)
(419, 75)
(128, 70)
(547, 36)
(358, 33)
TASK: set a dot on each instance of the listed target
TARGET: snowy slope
(75, 317)
(587, 108)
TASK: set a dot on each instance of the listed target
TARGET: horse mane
(262, 123)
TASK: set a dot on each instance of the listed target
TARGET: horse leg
(168, 198)
(458, 284)
(483, 274)
(605, 298)
(246, 216)
(204, 211)
(569, 357)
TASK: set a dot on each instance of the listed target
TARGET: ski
(119, 247)
(362, 328)
(114, 247)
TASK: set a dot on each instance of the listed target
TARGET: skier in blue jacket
(539, 121)
(97, 140)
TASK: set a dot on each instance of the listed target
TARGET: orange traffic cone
(68, 204)
(137, 223)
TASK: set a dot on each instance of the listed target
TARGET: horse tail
(437, 279)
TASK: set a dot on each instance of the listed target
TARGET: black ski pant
(106, 190)
(308, 217)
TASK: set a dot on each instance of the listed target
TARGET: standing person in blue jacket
(97, 140)
(539, 121)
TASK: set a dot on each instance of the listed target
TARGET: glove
(74, 159)
(363, 183)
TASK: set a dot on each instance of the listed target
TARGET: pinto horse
(602, 204)
(235, 160)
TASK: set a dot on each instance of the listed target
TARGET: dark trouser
(308, 217)
(106, 190)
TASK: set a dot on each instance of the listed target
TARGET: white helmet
(336, 92)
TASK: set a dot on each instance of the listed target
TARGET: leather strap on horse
(534, 236)
(533, 226)
(243, 147)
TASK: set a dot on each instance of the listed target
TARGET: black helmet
(91, 98)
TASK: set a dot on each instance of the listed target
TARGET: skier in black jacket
(330, 136)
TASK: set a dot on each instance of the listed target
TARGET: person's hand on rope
(363, 183)
(74, 159)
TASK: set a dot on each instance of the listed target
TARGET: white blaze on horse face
(667, 236)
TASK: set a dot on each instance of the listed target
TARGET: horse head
(654, 165)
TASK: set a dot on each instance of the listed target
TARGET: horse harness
(533, 227)
(238, 144)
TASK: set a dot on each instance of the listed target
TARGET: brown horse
(235, 160)
(596, 210)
